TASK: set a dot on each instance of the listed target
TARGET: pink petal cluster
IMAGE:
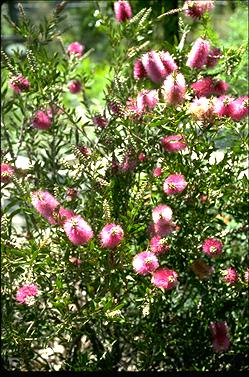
(100, 121)
(45, 204)
(142, 157)
(25, 292)
(19, 84)
(239, 108)
(220, 337)
(77, 230)
(75, 86)
(222, 106)
(7, 172)
(111, 236)
(212, 247)
(161, 228)
(162, 213)
(146, 100)
(207, 86)
(174, 184)
(128, 163)
(173, 143)
(198, 55)
(202, 109)
(156, 65)
(122, 10)
(76, 49)
(64, 215)
(157, 171)
(196, 8)
(158, 245)
(145, 263)
(42, 120)
(164, 278)
(230, 275)
(174, 89)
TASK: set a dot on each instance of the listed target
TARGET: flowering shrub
(132, 212)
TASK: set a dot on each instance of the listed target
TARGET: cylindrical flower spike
(111, 236)
(220, 338)
(173, 143)
(198, 55)
(174, 184)
(78, 230)
(145, 263)
(122, 11)
(7, 172)
(164, 278)
(173, 89)
(76, 49)
(196, 8)
(212, 247)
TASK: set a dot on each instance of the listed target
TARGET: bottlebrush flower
(196, 9)
(164, 278)
(207, 86)
(198, 55)
(146, 100)
(115, 107)
(153, 66)
(45, 204)
(128, 164)
(144, 263)
(78, 230)
(202, 109)
(162, 212)
(162, 228)
(25, 293)
(100, 121)
(238, 109)
(174, 184)
(84, 150)
(222, 106)
(122, 11)
(212, 247)
(42, 120)
(142, 157)
(157, 171)
(173, 143)
(139, 72)
(19, 84)
(230, 275)
(6, 173)
(63, 215)
(202, 269)
(220, 338)
(75, 86)
(213, 57)
(111, 235)
(173, 89)
(168, 62)
(76, 49)
(158, 245)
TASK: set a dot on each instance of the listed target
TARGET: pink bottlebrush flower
(75, 261)
(128, 164)
(164, 278)
(158, 245)
(238, 109)
(213, 57)
(162, 228)
(168, 62)
(207, 86)
(78, 230)
(100, 121)
(162, 213)
(157, 171)
(196, 9)
(142, 157)
(26, 292)
(115, 107)
(45, 204)
(153, 66)
(246, 275)
(173, 143)
(7, 172)
(174, 89)
(139, 72)
(222, 106)
(146, 100)
(230, 275)
(75, 86)
(212, 247)
(202, 109)
(174, 184)
(144, 263)
(42, 120)
(19, 84)
(122, 11)
(202, 269)
(111, 236)
(64, 215)
(76, 49)
(220, 338)
(84, 150)
(197, 57)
